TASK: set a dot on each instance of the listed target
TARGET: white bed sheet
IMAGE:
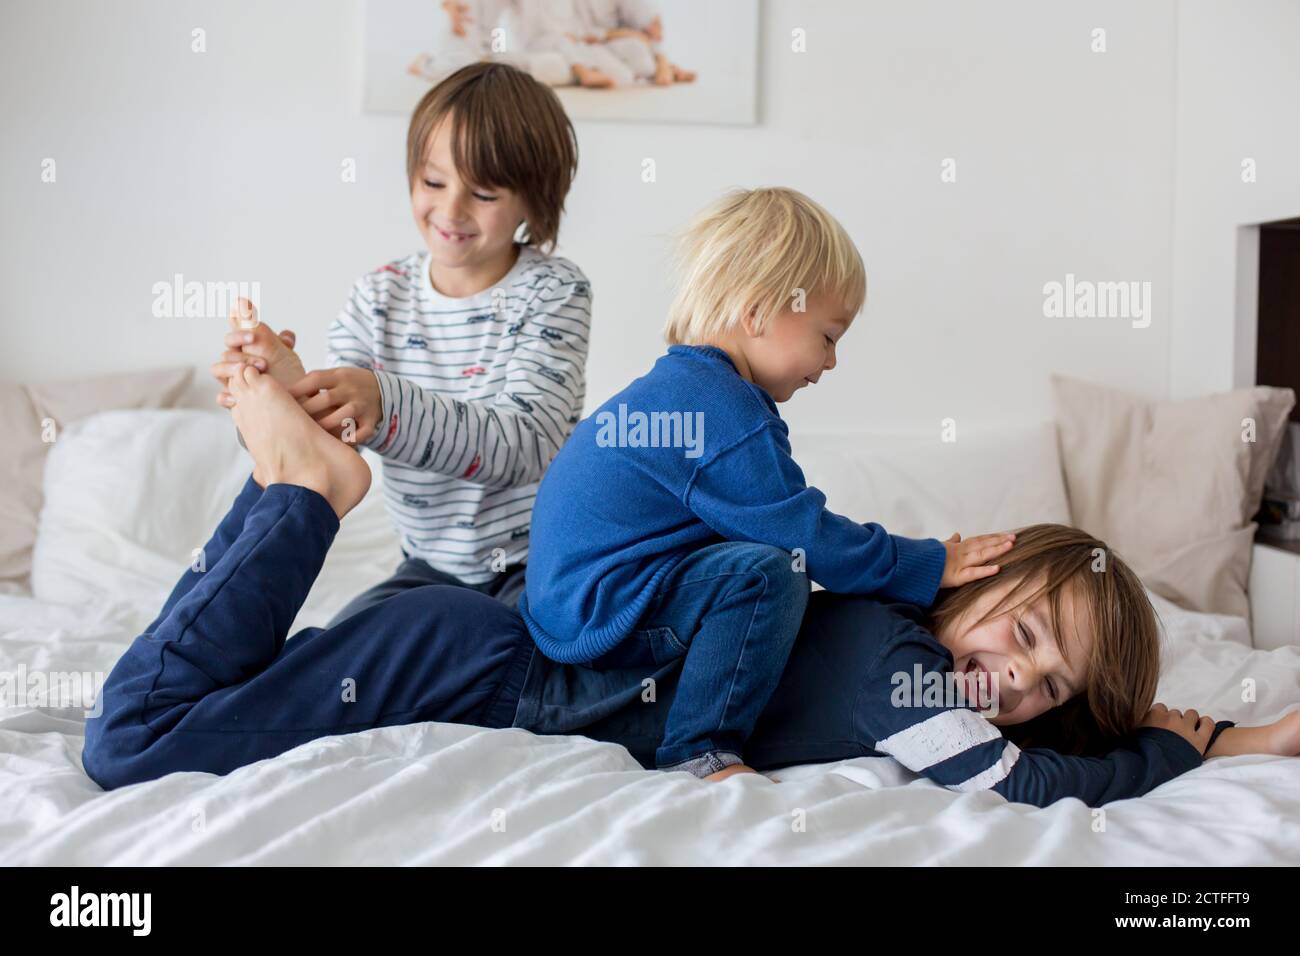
(442, 793)
(448, 794)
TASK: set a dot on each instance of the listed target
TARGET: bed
(130, 494)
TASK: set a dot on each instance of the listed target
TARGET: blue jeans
(733, 611)
(815, 713)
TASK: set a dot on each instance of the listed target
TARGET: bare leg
(288, 448)
(663, 71)
(591, 78)
(667, 72)
(731, 771)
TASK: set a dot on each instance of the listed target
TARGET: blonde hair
(755, 249)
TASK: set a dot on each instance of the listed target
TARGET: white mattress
(441, 793)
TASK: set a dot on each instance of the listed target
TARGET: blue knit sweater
(688, 455)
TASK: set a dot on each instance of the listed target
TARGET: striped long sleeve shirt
(478, 394)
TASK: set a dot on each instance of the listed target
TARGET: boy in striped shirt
(462, 365)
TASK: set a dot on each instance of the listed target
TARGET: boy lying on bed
(213, 684)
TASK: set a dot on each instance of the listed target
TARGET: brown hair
(1123, 665)
(507, 131)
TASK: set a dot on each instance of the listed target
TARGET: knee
(103, 758)
(454, 618)
(119, 747)
(118, 755)
(641, 60)
(783, 575)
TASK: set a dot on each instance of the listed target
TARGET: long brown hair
(507, 131)
(1123, 665)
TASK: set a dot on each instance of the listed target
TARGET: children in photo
(470, 39)
(633, 31)
(598, 44)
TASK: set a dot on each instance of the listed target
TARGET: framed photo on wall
(676, 61)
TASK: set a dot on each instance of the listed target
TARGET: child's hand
(967, 560)
(1284, 735)
(1281, 738)
(1188, 724)
(249, 342)
(344, 401)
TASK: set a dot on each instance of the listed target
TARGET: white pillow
(918, 486)
(130, 495)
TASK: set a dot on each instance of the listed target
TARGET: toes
(243, 315)
(258, 340)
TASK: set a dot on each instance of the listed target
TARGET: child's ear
(748, 321)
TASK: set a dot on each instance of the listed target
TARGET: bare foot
(683, 76)
(663, 71)
(592, 79)
(731, 771)
(249, 335)
(419, 65)
(288, 448)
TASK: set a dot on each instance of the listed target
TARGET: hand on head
(968, 560)
(1188, 724)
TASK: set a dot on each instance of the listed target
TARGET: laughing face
(469, 228)
(1019, 655)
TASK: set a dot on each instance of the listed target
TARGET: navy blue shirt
(844, 694)
(948, 741)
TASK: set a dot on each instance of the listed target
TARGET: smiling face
(795, 348)
(1022, 656)
(468, 228)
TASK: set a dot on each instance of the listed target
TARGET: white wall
(225, 165)
(1238, 98)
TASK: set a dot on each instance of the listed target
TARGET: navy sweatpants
(417, 573)
(196, 690)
